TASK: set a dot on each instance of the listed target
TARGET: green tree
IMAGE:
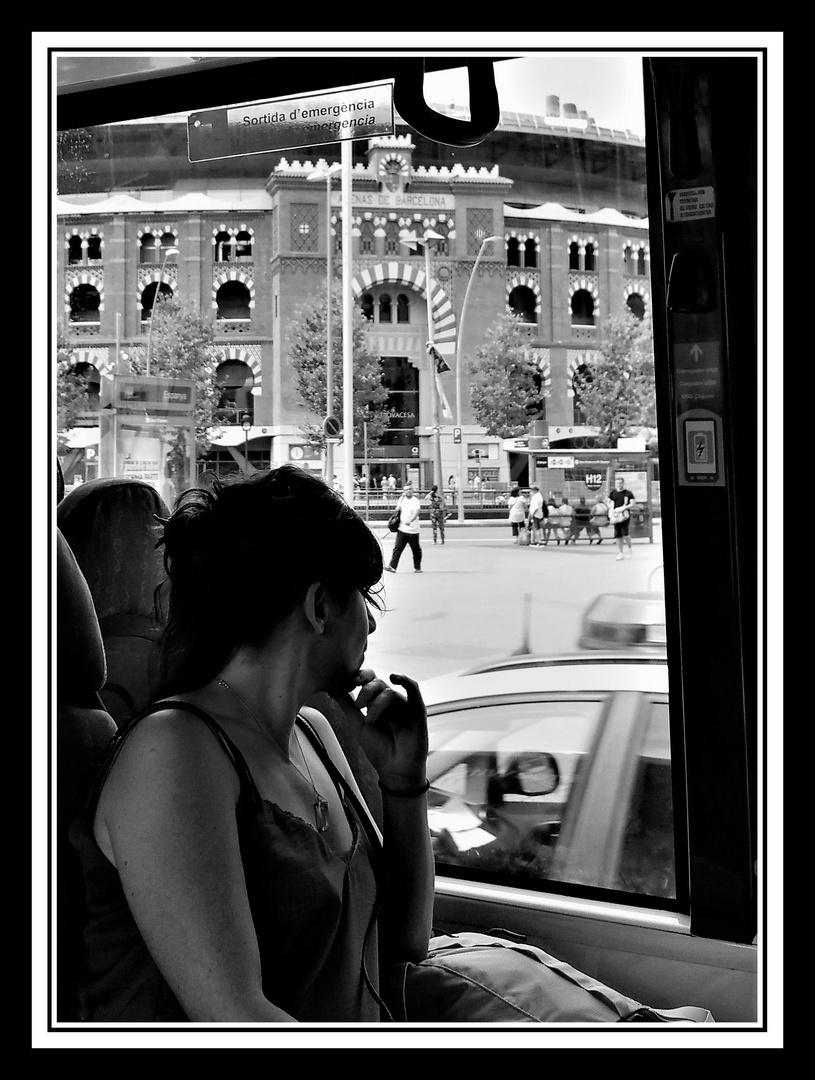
(73, 391)
(183, 348)
(616, 390)
(307, 352)
(505, 379)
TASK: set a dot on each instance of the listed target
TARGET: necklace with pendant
(320, 805)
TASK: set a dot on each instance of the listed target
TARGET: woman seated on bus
(231, 874)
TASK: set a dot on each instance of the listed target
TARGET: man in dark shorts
(621, 500)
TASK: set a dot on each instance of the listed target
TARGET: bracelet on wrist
(408, 793)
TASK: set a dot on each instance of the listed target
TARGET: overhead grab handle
(409, 101)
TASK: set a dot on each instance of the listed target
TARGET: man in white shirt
(536, 517)
(408, 531)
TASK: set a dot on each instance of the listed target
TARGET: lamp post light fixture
(412, 241)
(246, 424)
(460, 486)
(327, 174)
(164, 254)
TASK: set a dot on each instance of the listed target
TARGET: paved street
(470, 601)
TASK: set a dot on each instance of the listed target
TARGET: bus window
(575, 294)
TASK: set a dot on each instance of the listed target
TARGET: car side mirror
(531, 774)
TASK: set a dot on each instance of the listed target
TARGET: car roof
(549, 674)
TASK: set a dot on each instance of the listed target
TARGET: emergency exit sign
(353, 112)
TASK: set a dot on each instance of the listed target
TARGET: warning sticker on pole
(355, 112)
(688, 204)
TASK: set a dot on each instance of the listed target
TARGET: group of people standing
(537, 520)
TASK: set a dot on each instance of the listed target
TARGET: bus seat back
(83, 731)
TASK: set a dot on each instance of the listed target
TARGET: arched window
(442, 247)
(148, 249)
(233, 301)
(84, 303)
(641, 261)
(392, 238)
(581, 376)
(574, 256)
(582, 308)
(75, 250)
(224, 247)
(636, 305)
(168, 240)
(235, 380)
(148, 297)
(530, 252)
(367, 305)
(522, 303)
(627, 258)
(243, 244)
(91, 373)
(385, 308)
(588, 258)
(366, 238)
(513, 251)
(402, 308)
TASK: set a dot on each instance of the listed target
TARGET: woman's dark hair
(240, 555)
(515, 491)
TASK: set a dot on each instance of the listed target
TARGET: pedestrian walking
(537, 514)
(517, 513)
(621, 500)
(438, 512)
(407, 535)
(580, 521)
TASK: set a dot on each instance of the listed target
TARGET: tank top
(314, 910)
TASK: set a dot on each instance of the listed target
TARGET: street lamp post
(164, 254)
(413, 241)
(328, 174)
(460, 487)
(246, 424)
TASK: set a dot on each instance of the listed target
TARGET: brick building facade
(253, 251)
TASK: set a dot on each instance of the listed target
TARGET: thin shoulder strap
(362, 811)
(248, 786)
